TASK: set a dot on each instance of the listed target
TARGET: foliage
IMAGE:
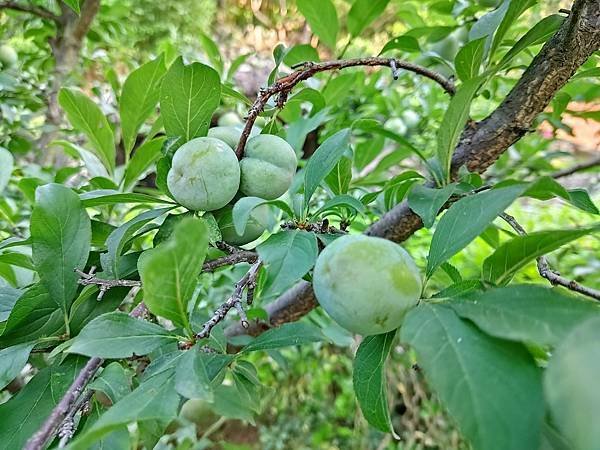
(98, 259)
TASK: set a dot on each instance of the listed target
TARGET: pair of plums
(206, 176)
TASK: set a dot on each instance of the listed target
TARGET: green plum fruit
(268, 167)
(411, 118)
(396, 125)
(205, 174)
(230, 134)
(366, 284)
(260, 219)
(229, 118)
(8, 56)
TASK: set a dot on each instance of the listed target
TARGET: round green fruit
(230, 134)
(268, 167)
(259, 220)
(228, 119)
(366, 284)
(8, 56)
(396, 125)
(411, 118)
(205, 174)
(199, 412)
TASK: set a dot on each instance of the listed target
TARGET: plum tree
(366, 284)
(268, 167)
(205, 174)
(259, 220)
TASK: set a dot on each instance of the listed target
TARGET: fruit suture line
(283, 86)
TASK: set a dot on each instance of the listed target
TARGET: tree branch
(577, 168)
(233, 258)
(546, 271)
(480, 144)
(30, 9)
(283, 86)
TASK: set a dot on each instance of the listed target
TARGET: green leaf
(92, 163)
(323, 161)
(212, 52)
(119, 237)
(113, 381)
(103, 197)
(427, 202)
(8, 298)
(34, 315)
(61, 232)
(6, 167)
(454, 122)
(526, 313)
(296, 333)
(118, 335)
(338, 180)
(17, 259)
(73, 4)
(154, 399)
(287, 256)
(465, 220)
(139, 97)
(229, 403)
(24, 413)
(189, 96)
(191, 376)
(322, 18)
(345, 200)
(570, 385)
(491, 388)
(369, 381)
(362, 13)
(539, 34)
(87, 307)
(299, 54)
(468, 59)
(581, 199)
(500, 266)
(169, 272)
(12, 361)
(244, 207)
(87, 117)
(404, 43)
(515, 9)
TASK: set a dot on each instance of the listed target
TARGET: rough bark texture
(481, 143)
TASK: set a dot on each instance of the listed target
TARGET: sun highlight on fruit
(366, 284)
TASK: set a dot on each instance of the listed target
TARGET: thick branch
(481, 143)
(283, 86)
(30, 9)
(546, 271)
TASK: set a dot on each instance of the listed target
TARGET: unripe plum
(8, 56)
(268, 167)
(205, 174)
(258, 222)
(411, 118)
(366, 284)
(396, 125)
(229, 118)
(230, 134)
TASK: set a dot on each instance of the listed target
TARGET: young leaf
(118, 335)
(500, 266)
(515, 9)
(12, 360)
(189, 96)
(87, 117)
(362, 13)
(369, 380)
(73, 4)
(476, 377)
(339, 178)
(299, 54)
(454, 122)
(322, 18)
(323, 161)
(6, 167)
(569, 385)
(170, 271)
(103, 197)
(427, 202)
(296, 333)
(468, 59)
(465, 220)
(113, 382)
(404, 43)
(154, 399)
(244, 207)
(526, 313)
(139, 97)
(287, 256)
(61, 232)
(146, 155)
(119, 237)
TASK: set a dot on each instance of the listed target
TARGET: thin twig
(69, 400)
(577, 168)
(233, 258)
(31, 9)
(234, 301)
(546, 271)
(91, 279)
(283, 86)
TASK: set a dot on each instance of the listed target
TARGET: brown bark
(481, 143)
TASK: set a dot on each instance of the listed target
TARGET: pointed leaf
(322, 18)
(468, 59)
(362, 13)
(12, 361)
(286, 335)
(427, 202)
